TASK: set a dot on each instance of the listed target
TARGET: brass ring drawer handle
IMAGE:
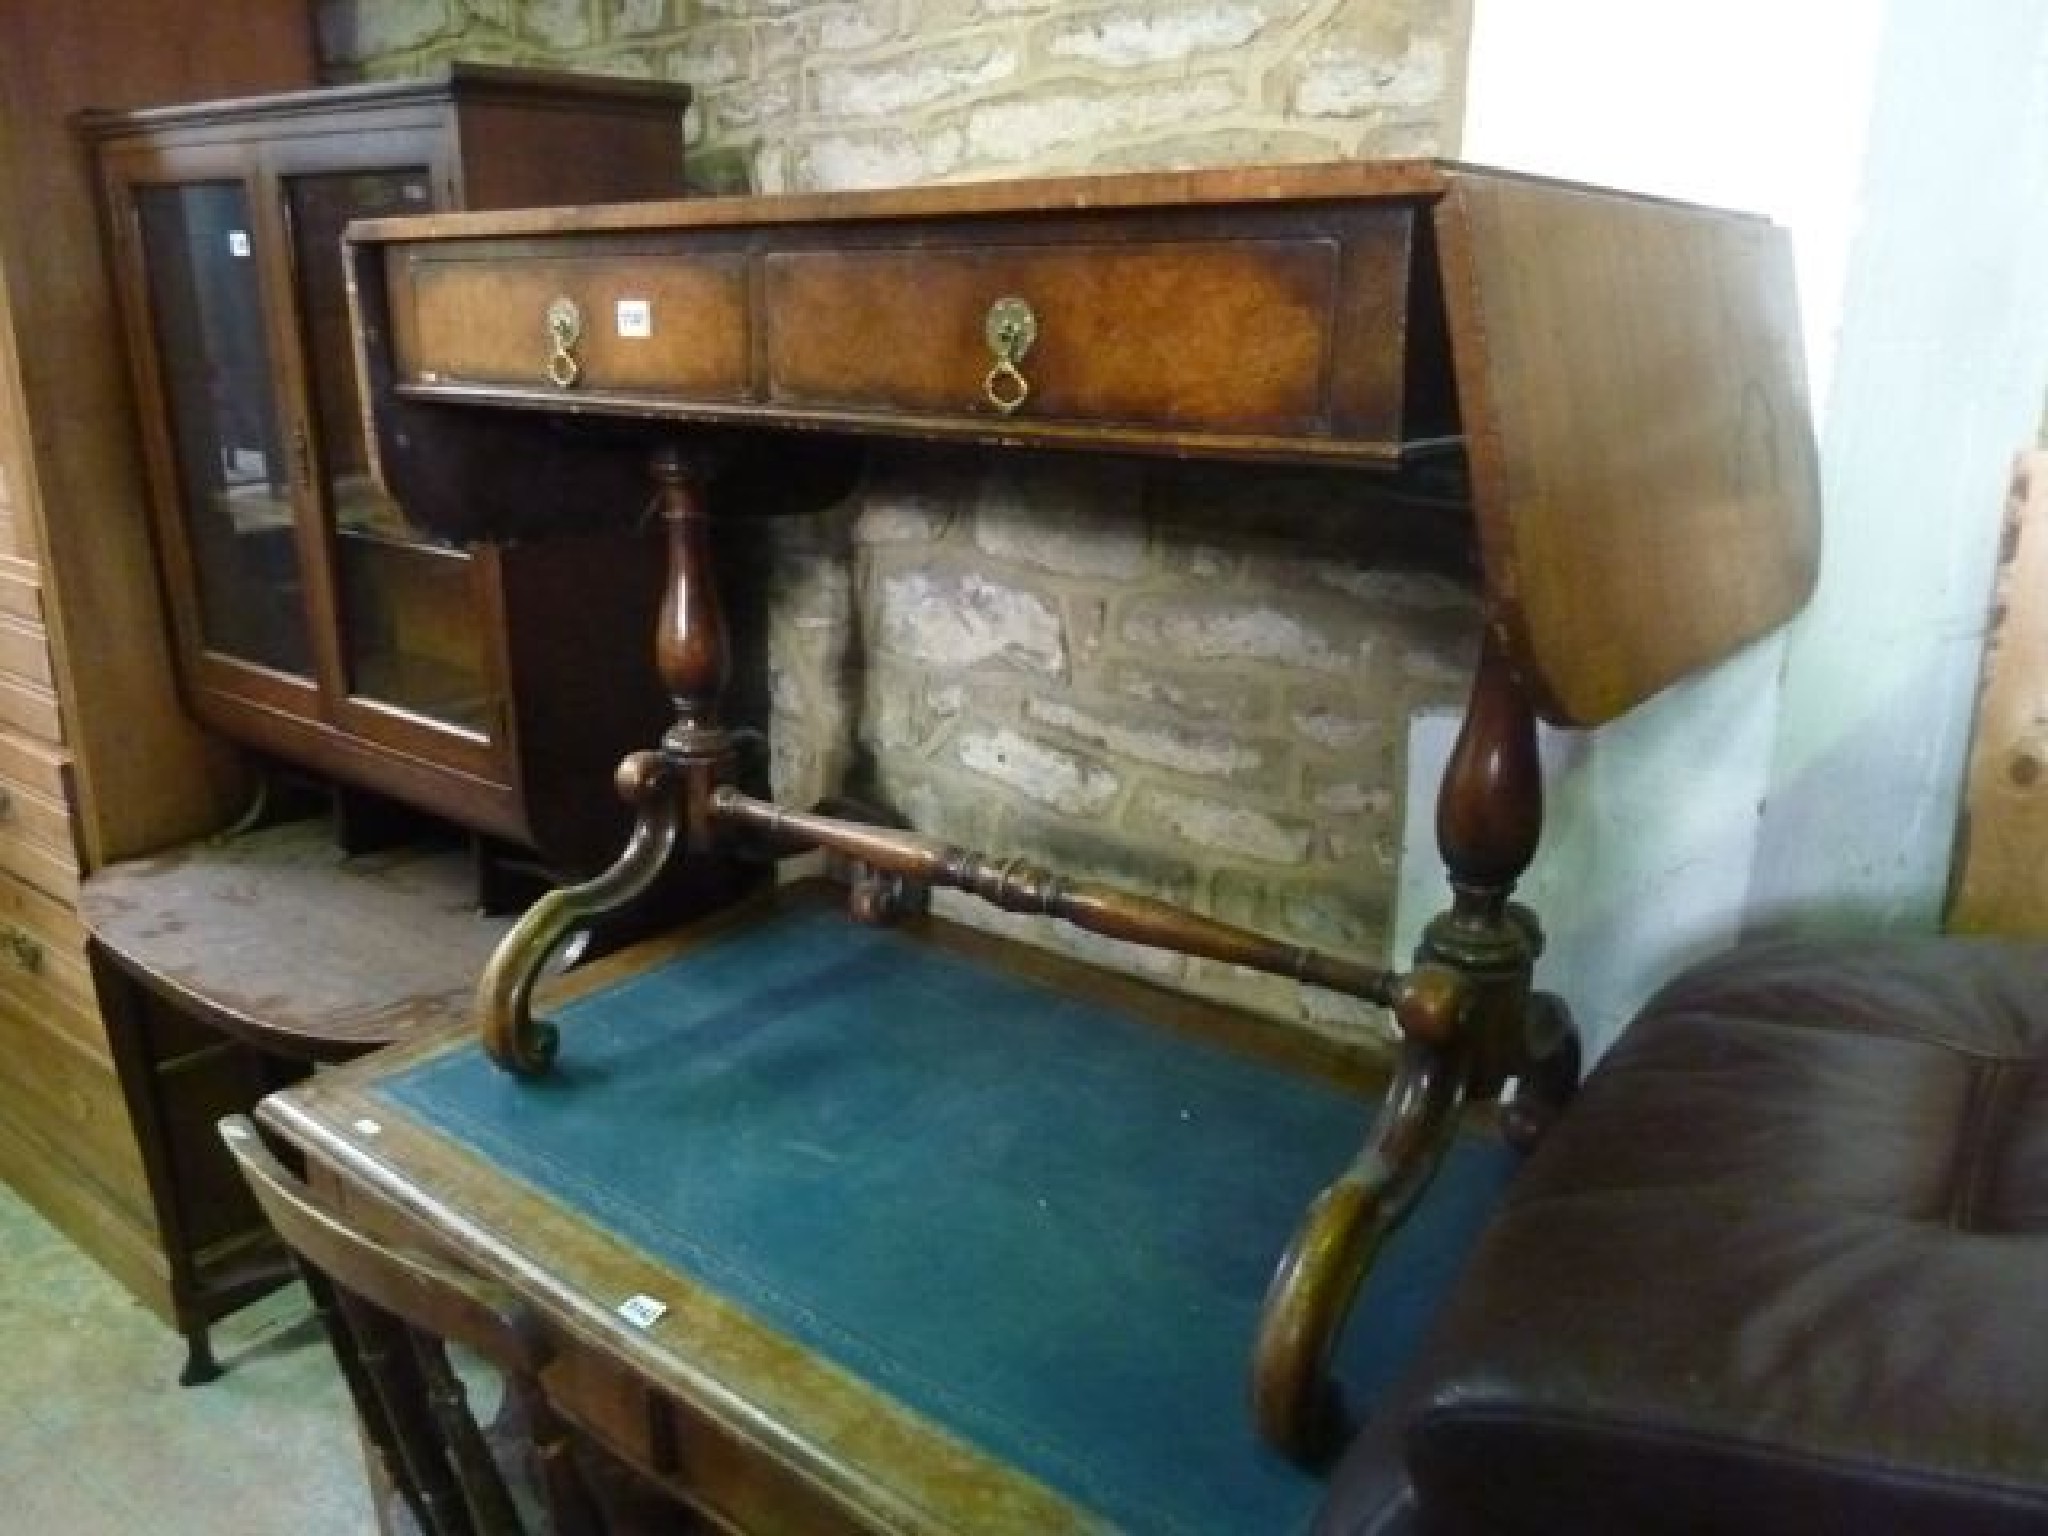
(565, 329)
(1011, 328)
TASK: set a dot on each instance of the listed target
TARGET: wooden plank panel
(70, 1099)
(30, 709)
(27, 815)
(2000, 880)
(1664, 508)
(25, 650)
(45, 1172)
(42, 943)
(21, 587)
(42, 767)
(35, 843)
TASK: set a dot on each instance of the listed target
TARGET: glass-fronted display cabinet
(313, 621)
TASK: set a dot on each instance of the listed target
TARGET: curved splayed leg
(1295, 1404)
(512, 1036)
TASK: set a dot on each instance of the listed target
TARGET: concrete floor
(98, 1439)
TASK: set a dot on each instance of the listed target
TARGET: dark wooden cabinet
(313, 621)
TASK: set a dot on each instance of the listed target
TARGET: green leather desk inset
(1036, 1221)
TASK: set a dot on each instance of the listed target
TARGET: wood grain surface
(2001, 864)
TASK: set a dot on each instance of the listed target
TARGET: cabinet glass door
(206, 305)
(411, 632)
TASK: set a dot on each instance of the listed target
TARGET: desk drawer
(1291, 336)
(485, 321)
(1115, 343)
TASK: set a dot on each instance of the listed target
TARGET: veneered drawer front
(905, 330)
(485, 321)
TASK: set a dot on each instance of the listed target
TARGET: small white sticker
(635, 318)
(642, 1311)
(368, 1128)
(238, 242)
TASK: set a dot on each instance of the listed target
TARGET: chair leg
(378, 1432)
(572, 1509)
(384, 1346)
(484, 1493)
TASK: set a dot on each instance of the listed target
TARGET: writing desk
(1598, 396)
(948, 1235)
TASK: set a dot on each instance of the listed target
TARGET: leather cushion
(1783, 1267)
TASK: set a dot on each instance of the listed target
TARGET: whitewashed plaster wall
(1938, 380)
(1813, 779)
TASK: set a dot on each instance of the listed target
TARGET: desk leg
(123, 1008)
(1489, 820)
(178, 1077)
(670, 788)
(1470, 1022)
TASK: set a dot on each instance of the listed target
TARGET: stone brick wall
(808, 94)
(1159, 676)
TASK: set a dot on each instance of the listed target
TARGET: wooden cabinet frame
(479, 136)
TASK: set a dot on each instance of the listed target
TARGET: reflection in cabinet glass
(409, 639)
(314, 621)
(216, 370)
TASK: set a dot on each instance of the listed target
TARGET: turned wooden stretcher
(1606, 390)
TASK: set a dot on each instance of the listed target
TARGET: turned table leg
(1489, 821)
(1469, 1022)
(669, 787)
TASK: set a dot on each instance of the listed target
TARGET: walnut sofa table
(226, 969)
(1598, 396)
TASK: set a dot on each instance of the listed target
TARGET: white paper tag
(642, 1311)
(635, 319)
(238, 242)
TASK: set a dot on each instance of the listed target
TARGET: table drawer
(1291, 336)
(485, 321)
(907, 330)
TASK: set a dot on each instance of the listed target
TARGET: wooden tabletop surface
(278, 938)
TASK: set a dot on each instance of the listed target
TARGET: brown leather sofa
(1781, 1268)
